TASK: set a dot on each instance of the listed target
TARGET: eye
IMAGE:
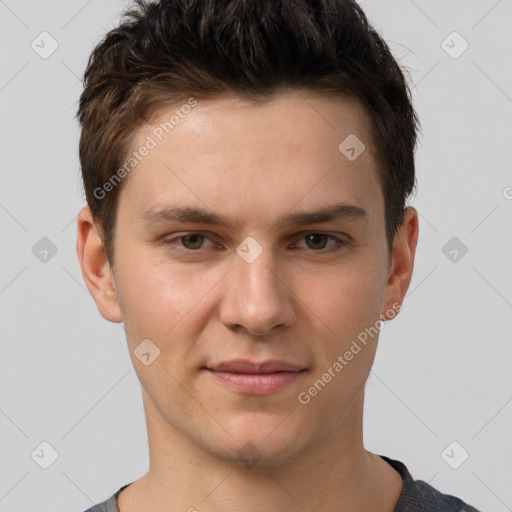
(318, 241)
(193, 241)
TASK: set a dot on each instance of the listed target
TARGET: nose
(259, 296)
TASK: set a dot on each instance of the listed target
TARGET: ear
(96, 270)
(402, 263)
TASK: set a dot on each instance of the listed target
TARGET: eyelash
(339, 242)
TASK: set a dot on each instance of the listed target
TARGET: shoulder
(109, 505)
(418, 496)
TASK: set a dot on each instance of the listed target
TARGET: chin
(263, 441)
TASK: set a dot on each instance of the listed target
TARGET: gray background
(442, 372)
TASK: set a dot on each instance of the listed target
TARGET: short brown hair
(167, 51)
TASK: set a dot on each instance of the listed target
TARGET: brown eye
(187, 243)
(193, 241)
(321, 242)
(316, 240)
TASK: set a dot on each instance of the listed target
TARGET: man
(246, 166)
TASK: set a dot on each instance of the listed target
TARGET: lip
(256, 378)
(247, 366)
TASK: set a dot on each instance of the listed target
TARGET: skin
(297, 301)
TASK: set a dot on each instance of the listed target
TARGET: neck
(337, 471)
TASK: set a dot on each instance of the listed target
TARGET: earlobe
(95, 267)
(402, 263)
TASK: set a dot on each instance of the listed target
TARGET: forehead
(295, 147)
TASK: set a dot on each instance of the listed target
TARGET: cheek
(348, 308)
(152, 297)
(345, 301)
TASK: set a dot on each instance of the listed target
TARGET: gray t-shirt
(416, 496)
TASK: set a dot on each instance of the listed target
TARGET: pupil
(193, 240)
(317, 238)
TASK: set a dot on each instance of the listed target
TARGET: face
(251, 252)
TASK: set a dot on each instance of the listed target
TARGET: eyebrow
(335, 212)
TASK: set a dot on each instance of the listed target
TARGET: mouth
(256, 378)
